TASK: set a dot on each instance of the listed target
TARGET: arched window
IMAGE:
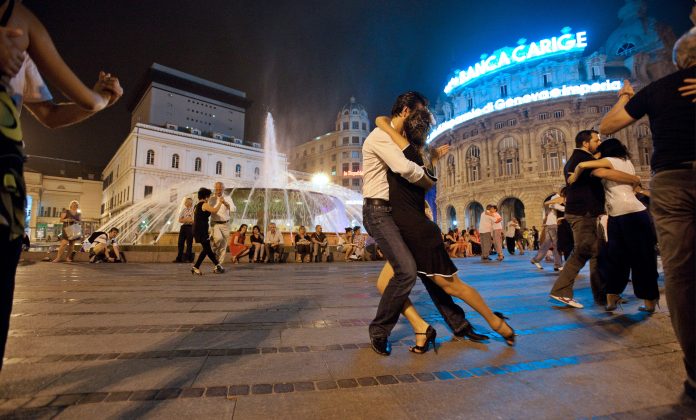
(552, 149)
(238, 171)
(451, 170)
(197, 164)
(175, 161)
(218, 168)
(257, 173)
(473, 163)
(626, 49)
(644, 151)
(150, 160)
(508, 157)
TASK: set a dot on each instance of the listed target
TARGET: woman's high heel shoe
(509, 339)
(194, 270)
(650, 306)
(430, 335)
(613, 301)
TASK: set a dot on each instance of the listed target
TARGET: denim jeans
(381, 227)
(673, 206)
(586, 239)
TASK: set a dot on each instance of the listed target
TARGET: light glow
(540, 96)
(320, 179)
(508, 56)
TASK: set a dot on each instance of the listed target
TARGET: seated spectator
(475, 241)
(319, 243)
(104, 247)
(257, 251)
(237, 247)
(273, 244)
(358, 245)
(346, 244)
(451, 243)
(303, 245)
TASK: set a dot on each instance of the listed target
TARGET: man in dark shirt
(319, 243)
(673, 186)
(584, 203)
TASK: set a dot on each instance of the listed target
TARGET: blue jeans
(380, 225)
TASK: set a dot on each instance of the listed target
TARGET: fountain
(276, 196)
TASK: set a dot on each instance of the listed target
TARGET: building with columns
(511, 119)
(337, 154)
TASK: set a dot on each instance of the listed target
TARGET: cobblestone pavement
(290, 341)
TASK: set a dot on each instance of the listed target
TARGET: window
(503, 91)
(470, 104)
(345, 182)
(474, 132)
(346, 168)
(175, 161)
(345, 140)
(552, 149)
(333, 158)
(356, 182)
(558, 114)
(451, 170)
(364, 126)
(546, 78)
(333, 143)
(355, 166)
(197, 164)
(499, 125)
(596, 72)
(355, 155)
(644, 151)
(148, 190)
(643, 131)
(344, 155)
(593, 109)
(150, 160)
(543, 116)
(626, 49)
(257, 173)
(218, 168)
(512, 122)
(473, 163)
(355, 140)
(355, 125)
(508, 157)
(238, 171)
(345, 125)
(313, 150)
(333, 171)
(605, 109)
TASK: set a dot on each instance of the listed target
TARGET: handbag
(73, 232)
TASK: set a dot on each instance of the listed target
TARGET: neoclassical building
(511, 119)
(338, 153)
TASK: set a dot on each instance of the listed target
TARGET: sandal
(510, 339)
(430, 335)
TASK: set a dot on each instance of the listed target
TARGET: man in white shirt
(381, 154)
(555, 205)
(486, 225)
(220, 222)
(273, 242)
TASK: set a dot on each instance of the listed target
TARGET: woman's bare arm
(384, 123)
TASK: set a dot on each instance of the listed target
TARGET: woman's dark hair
(256, 227)
(613, 148)
(417, 126)
(472, 231)
(243, 225)
(409, 100)
(450, 232)
(204, 193)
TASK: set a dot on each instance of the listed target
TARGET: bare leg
(409, 311)
(454, 286)
(61, 249)
(71, 248)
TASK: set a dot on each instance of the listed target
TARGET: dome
(353, 108)
(352, 116)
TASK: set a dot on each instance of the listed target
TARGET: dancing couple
(394, 186)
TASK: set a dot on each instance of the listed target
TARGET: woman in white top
(631, 238)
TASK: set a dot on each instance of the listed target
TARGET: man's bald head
(684, 52)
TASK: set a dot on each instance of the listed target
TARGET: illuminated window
(197, 164)
(150, 159)
(175, 161)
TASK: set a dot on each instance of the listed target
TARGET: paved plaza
(290, 341)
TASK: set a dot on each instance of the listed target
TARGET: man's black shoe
(381, 346)
(468, 332)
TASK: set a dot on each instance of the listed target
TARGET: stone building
(511, 119)
(338, 154)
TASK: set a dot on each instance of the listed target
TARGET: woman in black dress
(424, 238)
(201, 216)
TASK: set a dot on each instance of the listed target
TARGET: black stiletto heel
(510, 339)
(430, 335)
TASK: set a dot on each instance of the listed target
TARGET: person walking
(185, 233)
(486, 224)
(555, 209)
(201, 217)
(70, 218)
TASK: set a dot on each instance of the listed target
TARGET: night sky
(301, 60)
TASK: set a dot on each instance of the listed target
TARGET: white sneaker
(568, 301)
(537, 264)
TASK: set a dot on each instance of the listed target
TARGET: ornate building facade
(511, 119)
(337, 154)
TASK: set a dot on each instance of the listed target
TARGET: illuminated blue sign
(543, 95)
(508, 56)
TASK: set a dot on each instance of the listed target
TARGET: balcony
(556, 173)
